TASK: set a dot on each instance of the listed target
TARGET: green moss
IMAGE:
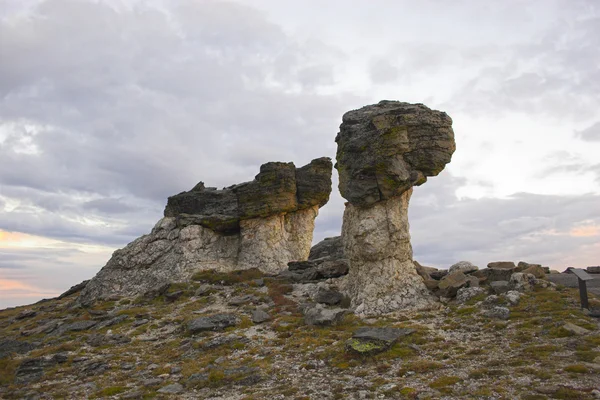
(365, 347)
(8, 366)
(577, 368)
(569, 394)
(444, 381)
(408, 393)
(109, 391)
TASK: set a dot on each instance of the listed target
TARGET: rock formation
(383, 151)
(262, 224)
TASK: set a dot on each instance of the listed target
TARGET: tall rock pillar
(383, 151)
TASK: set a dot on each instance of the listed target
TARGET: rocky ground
(246, 336)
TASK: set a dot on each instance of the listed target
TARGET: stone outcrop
(262, 224)
(383, 151)
(387, 148)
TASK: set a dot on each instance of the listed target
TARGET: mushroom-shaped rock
(383, 151)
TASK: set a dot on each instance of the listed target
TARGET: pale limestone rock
(382, 276)
(173, 254)
(270, 243)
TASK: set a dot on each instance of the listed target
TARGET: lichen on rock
(262, 224)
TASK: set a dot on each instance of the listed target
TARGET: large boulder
(383, 150)
(386, 148)
(262, 224)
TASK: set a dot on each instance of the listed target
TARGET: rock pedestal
(262, 224)
(382, 277)
(383, 151)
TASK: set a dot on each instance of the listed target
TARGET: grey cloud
(382, 71)
(108, 206)
(142, 103)
(555, 75)
(590, 134)
(523, 227)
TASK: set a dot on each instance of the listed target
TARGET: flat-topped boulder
(278, 188)
(263, 224)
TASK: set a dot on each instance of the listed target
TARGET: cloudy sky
(108, 107)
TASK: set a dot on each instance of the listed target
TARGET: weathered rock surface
(212, 323)
(463, 266)
(386, 148)
(320, 316)
(261, 224)
(450, 283)
(382, 277)
(383, 151)
(278, 188)
(370, 340)
(10, 346)
(331, 248)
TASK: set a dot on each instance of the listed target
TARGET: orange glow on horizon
(585, 231)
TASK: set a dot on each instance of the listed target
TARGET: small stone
(136, 394)
(175, 370)
(320, 316)
(151, 382)
(439, 274)
(450, 284)
(259, 316)
(522, 282)
(369, 341)
(127, 366)
(513, 297)
(467, 293)
(491, 299)
(333, 269)
(497, 313)
(329, 297)
(139, 322)
(240, 300)
(202, 290)
(463, 266)
(300, 265)
(174, 295)
(473, 281)
(500, 271)
(499, 287)
(196, 379)
(502, 265)
(535, 270)
(259, 282)
(171, 389)
(26, 314)
(79, 326)
(577, 330)
(157, 291)
(212, 323)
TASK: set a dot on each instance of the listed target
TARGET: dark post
(583, 294)
(582, 276)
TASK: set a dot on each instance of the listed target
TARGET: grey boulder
(386, 148)
(215, 322)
